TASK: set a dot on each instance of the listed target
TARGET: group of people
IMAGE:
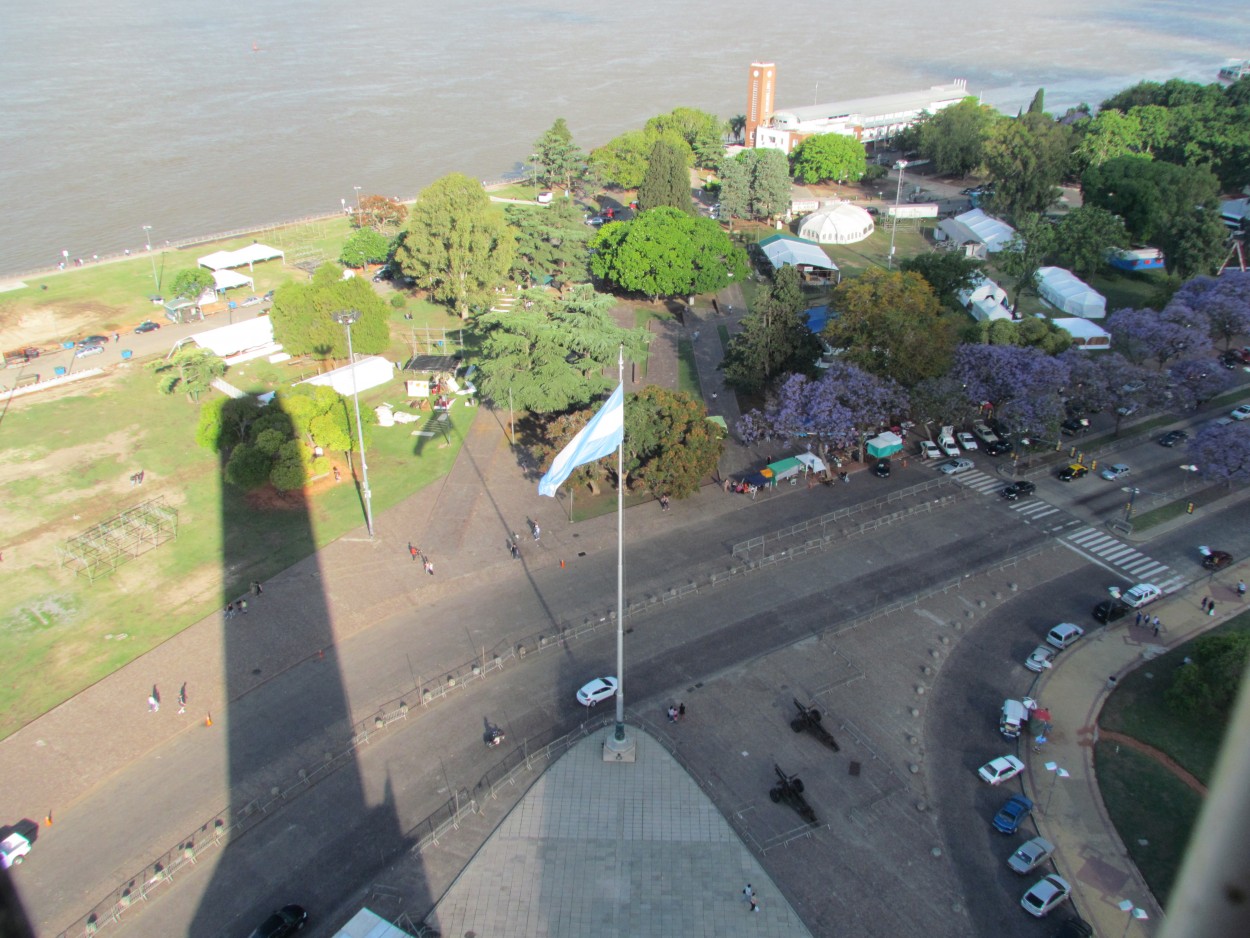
(417, 552)
(676, 712)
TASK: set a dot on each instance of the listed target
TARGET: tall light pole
(1060, 772)
(357, 188)
(1133, 913)
(898, 196)
(147, 240)
(346, 318)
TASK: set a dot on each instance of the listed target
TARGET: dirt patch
(43, 324)
(1158, 755)
(270, 499)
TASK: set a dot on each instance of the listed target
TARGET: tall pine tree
(667, 181)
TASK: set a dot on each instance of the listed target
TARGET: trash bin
(59, 370)
(126, 353)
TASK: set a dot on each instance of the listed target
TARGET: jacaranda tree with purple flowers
(1024, 385)
(1197, 380)
(1142, 334)
(1224, 300)
(1222, 453)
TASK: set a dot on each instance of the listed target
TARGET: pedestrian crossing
(1094, 544)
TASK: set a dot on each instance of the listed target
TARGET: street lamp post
(1060, 772)
(345, 318)
(898, 197)
(147, 240)
(357, 188)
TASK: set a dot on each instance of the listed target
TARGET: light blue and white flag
(603, 434)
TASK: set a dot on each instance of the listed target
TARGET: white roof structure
(837, 223)
(228, 280)
(1085, 334)
(985, 300)
(988, 234)
(370, 372)
(1069, 294)
(786, 249)
(225, 341)
(252, 254)
(368, 924)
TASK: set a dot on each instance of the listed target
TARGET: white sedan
(966, 440)
(1047, 892)
(929, 450)
(947, 445)
(999, 770)
(1241, 413)
(1042, 658)
(601, 688)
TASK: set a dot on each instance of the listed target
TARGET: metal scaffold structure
(104, 547)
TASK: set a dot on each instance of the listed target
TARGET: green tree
(365, 246)
(192, 283)
(737, 126)
(829, 157)
(701, 132)
(954, 138)
(665, 252)
(948, 272)
(622, 161)
(735, 189)
(1194, 243)
(1207, 687)
(670, 445)
(289, 468)
(1085, 235)
(1026, 252)
(380, 213)
(890, 324)
(1038, 104)
(1110, 135)
(550, 241)
(774, 340)
(550, 354)
(303, 322)
(248, 468)
(456, 245)
(1026, 158)
(559, 161)
(190, 371)
(667, 181)
(755, 184)
(225, 422)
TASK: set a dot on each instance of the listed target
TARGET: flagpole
(618, 748)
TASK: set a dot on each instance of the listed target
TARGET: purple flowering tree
(1024, 385)
(837, 408)
(1142, 334)
(1222, 453)
(1224, 300)
(1197, 380)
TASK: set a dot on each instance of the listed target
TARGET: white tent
(370, 372)
(252, 254)
(228, 280)
(987, 235)
(225, 341)
(813, 462)
(985, 300)
(1068, 294)
(1085, 334)
(839, 223)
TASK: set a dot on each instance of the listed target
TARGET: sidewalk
(1070, 812)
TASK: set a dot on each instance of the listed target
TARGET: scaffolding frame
(104, 547)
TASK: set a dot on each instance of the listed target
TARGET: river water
(196, 117)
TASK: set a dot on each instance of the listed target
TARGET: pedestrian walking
(413, 551)
(1204, 603)
(537, 532)
(747, 892)
(229, 610)
(1156, 628)
(153, 704)
(337, 475)
(182, 698)
(1111, 682)
(681, 711)
(1211, 608)
(755, 906)
(663, 503)
(696, 335)
(429, 567)
(516, 552)
(672, 714)
(1139, 620)
(243, 606)
(1241, 589)
(257, 588)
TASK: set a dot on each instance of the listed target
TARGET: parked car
(286, 921)
(982, 432)
(952, 466)
(966, 440)
(1115, 471)
(1240, 413)
(146, 326)
(13, 848)
(1110, 610)
(929, 450)
(251, 301)
(1000, 770)
(92, 340)
(1216, 560)
(1031, 855)
(87, 350)
(1042, 658)
(268, 297)
(881, 468)
(1064, 634)
(996, 448)
(1137, 596)
(1233, 358)
(1172, 437)
(1075, 426)
(1018, 490)
(601, 688)
(1012, 814)
(1074, 471)
(948, 446)
(1047, 892)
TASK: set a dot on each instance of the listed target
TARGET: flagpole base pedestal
(619, 750)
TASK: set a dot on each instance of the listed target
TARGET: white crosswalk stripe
(980, 481)
(1115, 553)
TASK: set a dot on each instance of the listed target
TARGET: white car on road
(929, 450)
(1047, 892)
(1000, 770)
(601, 688)
(947, 445)
(966, 440)
(1241, 413)
(1041, 659)
(1140, 595)
(1064, 634)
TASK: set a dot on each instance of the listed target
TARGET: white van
(1015, 716)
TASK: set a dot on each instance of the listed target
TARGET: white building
(865, 119)
(370, 372)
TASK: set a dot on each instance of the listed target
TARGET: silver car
(952, 466)
(1031, 855)
(1041, 658)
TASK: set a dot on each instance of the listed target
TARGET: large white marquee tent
(252, 254)
(1069, 294)
(986, 235)
(839, 223)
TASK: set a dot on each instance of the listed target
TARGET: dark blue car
(1012, 814)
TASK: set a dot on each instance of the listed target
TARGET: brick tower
(761, 90)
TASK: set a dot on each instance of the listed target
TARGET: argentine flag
(604, 433)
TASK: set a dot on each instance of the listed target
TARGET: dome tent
(837, 223)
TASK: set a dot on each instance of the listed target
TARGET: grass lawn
(1138, 710)
(643, 317)
(66, 466)
(687, 370)
(1153, 811)
(1174, 510)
